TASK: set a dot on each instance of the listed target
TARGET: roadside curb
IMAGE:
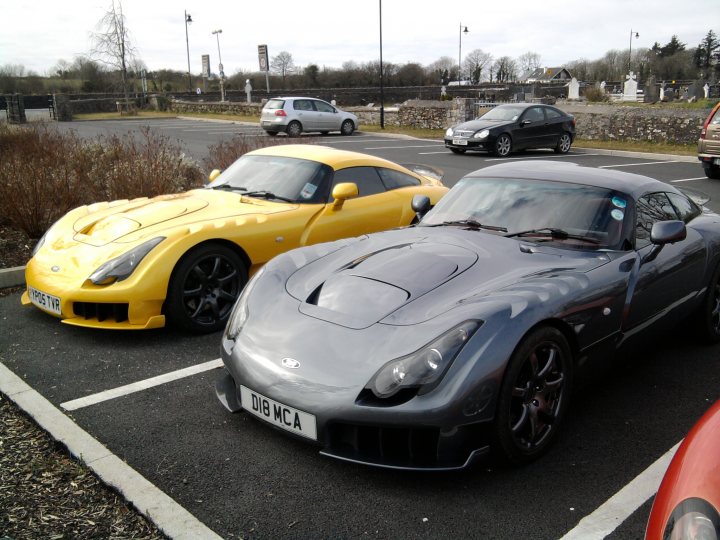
(644, 155)
(12, 277)
(169, 516)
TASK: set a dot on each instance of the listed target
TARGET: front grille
(405, 447)
(101, 311)
(463, 134)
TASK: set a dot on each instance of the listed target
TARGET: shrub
(595, 94)
(45, 173)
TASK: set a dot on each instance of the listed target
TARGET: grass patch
(636, 146)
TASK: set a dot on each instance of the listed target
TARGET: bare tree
(529, 62)
(475, 62)
(282, 64)
(442, 68)
(111, 44)
(505, 69)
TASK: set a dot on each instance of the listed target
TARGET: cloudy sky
(38, 33)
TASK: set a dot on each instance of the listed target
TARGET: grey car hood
(393, 281)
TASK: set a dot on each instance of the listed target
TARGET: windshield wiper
(555, 234)
(267, 195)
(229, 187)
(470, 224)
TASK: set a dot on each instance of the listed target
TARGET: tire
(457, 150)
(712, 171)
(707, 319)
(347, 127)
(204, 287)
(563, 144)
(534, 396)
(503, 145)
(294, 129)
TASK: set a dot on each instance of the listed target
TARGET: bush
(595, 94)
(45, 173)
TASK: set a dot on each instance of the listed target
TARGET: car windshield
(504, 112)
(276, 177)
(571, 215)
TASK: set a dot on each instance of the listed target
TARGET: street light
(188, 20)
(637, 35)
(382, 91)
(460, 50)
(222, 74)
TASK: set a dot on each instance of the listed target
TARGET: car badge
(55, 269)
(290, 363)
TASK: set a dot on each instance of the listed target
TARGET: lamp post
(222, 73)
(382, 91)
(188, 20)
(637, 35)
(460, 51)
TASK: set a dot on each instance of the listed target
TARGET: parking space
(244, 479)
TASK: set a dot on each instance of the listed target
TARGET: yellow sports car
(131, 264)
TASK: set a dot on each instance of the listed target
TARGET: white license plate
(717, 160)
(459, 142)
(45, 301)
(278, 414)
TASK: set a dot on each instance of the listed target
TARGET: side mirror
(525, 122)
(662, 233)
(214, 174)
(341, 192)
(421, 205)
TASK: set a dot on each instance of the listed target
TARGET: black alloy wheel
(457, 150)
(294, 129)
(204, 287)
(534, 396)
(503, 145)
(347, 127)
(563, 144)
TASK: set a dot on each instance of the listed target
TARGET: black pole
(382, 88)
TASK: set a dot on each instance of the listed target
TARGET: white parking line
(620, 506)
(688, 179)
(408, 146)
(639, 164)
(549, 156)
(113, 393)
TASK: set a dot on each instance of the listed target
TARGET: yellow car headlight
(123, 266)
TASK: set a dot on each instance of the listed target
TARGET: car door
(328, 117)
(664, 287)
(553, 127)
(374, 209)
(530, 128)
(306, 113)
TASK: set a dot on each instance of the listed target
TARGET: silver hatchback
(295, 115)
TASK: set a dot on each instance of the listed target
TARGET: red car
(686, 505)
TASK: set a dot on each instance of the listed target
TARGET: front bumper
(470, 144)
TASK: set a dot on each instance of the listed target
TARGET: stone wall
(216, 107)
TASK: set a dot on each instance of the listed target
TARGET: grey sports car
(428, 347)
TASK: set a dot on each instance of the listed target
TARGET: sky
(39, 33)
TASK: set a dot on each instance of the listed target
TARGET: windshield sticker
(308, 191)
(620, 203)
(617, 214)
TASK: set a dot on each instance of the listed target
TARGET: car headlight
(481, 134)
(39, 244)
(425, 367)
(122, 267)
(240, 312)
(449, 132)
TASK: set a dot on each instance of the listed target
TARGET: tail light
(280, 112)
(573, 121)
(707, 122)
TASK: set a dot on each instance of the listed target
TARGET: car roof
(297, 97)
(632, 184)
(336, 158)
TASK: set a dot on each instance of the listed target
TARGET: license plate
(459, 142)
(45, 301)
(278, 414)
(717, 160)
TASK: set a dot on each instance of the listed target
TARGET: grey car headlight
(424, 367)
(481, 134)
(449, 132)
(240, 312)
(122, 267)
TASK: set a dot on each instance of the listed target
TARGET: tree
(505, 69)
(282, 64)
(707, 54)
(475, 62)
(444, 68)
(529, 62)
(311, 73)
(112, 44)
(410, 74)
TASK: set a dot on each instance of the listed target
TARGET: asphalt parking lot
(243, 479)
